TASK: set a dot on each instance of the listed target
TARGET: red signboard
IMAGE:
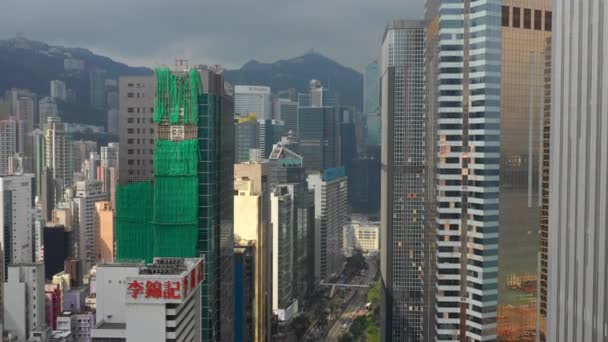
(164, 288)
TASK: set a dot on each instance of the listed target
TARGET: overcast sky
(227, 32)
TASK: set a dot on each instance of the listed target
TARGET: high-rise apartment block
(136, 125)
(104, 230)
(59, 90)
(88, 193)
(82, 151)
(47, 107)
(404, 246)
(16, 224)
(578, 193)
(331, 213)
(255, 100)
(12, 140)
(24, 299)
(59, 155)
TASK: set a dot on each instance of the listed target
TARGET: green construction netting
(175, 217)
(175, 92)
(134, 234)
(175, 158)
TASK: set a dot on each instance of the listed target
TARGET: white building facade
(155, 303)
(468, 162)
(88, 192)
(24, 300)
(578, 172)
(331, 214)
(253, 100)
(16, 214)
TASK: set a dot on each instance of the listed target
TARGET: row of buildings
(491, 158)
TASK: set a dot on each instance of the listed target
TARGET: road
(356, 304)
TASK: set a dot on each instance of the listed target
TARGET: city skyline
(450, 190)
(208, 38)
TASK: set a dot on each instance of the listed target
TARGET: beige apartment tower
(104, 226)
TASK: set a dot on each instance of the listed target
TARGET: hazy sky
(227, 32)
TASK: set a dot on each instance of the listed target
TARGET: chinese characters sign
(156, 288)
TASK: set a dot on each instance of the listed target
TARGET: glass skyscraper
(403, 247)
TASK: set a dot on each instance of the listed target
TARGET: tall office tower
(88, 192)
(246, 131)
(59, 90)
(253, 100)
(47, 107)
(286, 110)
(107, 173)
(59, 155)
(16, 218)
(270, 132)
(82, 151)
(191, 204)
(44, 186)
(113, 119)
(24, 299)
(403, 248)
(544, 211)
(578, 193)
(244, 289)
(287, 167)
(318, 96)
(432, 58)
(98, 89)
(104, 232)
(11, 138)
(331, 214)
(252, 228)
(318, 135)
(467, 80)
(371, 88)
(371, 103)
(282, 218)
(524, 38)
(136, 137)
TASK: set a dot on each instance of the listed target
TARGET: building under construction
(186, 210)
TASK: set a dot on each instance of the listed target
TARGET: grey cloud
(227, 32)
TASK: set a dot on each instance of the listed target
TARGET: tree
(346, 337)
(300, 325)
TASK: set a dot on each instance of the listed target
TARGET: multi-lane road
(357, 302)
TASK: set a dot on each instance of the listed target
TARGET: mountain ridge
(296, 72)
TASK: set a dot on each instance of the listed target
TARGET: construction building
(187, 209)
